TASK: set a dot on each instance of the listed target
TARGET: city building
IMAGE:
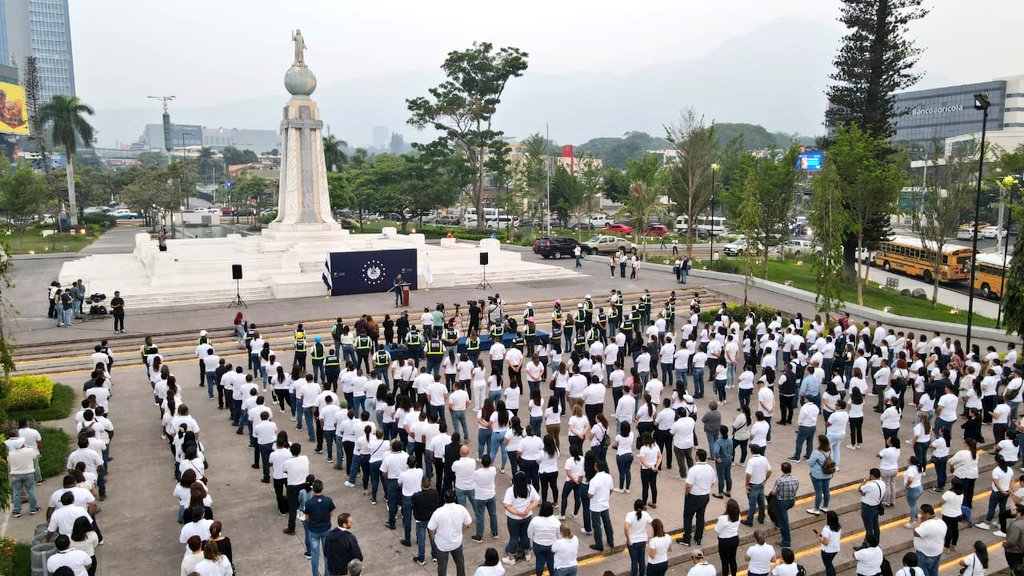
(946, 115)
(196, 136)
(39, 28)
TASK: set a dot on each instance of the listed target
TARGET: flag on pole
(428, 275)
(327, 277)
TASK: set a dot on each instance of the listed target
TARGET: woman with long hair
(499, 423)
(728, 530)
(650, 463)
(535, 409)
(599, 440)
(635, 528)
(531, 448)
(645, 414)
(623, 445)
(513, 444)
(975, 563)
(553, 420)
(1002, 485)
(483, 433)
(548, 469)
(281, 386)
(952, 510)
(578, 426)
(940, 457)
(84, 538)
(964, 466)
(222, 541)
(820, 479)
(829, 539)
(856, 414)
(741, 434)
(520, 500)
(913, 488)
(657, 549)
(213, 561)
(889, 466)
(544, 531)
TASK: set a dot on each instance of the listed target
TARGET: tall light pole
(547, 171)
(980, 103)
(711, 255)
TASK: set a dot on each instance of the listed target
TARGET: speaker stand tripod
(484, 284)
(238, 297)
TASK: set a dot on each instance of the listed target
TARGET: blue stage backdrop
(368, 271)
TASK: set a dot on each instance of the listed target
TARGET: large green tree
(830, 225)
(65, 116)
(462, 108)
(639, 206)
(334, 153)
(875, 60)
(22, 194)
(690, 171)
(767, 192)
(870, 181)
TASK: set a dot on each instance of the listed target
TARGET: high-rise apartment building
(39, 28)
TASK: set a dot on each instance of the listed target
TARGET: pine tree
(875, 60)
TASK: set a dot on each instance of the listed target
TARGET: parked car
(990, 232)
(657, 230)
(801, 247)
(602, 244)
(964, 234)
(228, 211)
(617, 228)
(555, 247)
(124, 214)
(447, 220)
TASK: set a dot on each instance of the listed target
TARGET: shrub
(738, 311)
(99, 220)
(29, 393)
(7, 552)
(54, 459)
(59, 407)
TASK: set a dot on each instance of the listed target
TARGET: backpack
(828, 466)
(800, 571)
(886, 567)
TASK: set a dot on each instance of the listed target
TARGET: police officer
(148, 350)
(645, 307)
(435, 354)
(473, 346)
(602, 325)
(556, 337)
(450, 337)
(614, 317)
(588, 311)
(618, 303)
(530, 335)
(364, 345)
(336, 331)
(556, 312)
(580, 343)
(318, 354)
(497, 330)
(670, 313)
(518, 341)
(528, 313)
(414, 342)
(332, 369)
(580, 321)
(381, 359)
(300, 348)
(567, 329)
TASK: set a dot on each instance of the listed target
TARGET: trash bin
(40, 554)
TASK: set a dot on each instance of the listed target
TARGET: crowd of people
(390, 414)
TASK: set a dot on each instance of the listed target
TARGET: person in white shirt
(484, 497)
(22, 473)
(265, 433)
(929, 535)
(699, 481)
(758, 471)
(519, 502)
(637, 523)
(1002, 485)
(78, 561)
(445, 529)
(543, 531)
(872, 491)
(296, 470)
(869, 557)
(599, 493)
(566, 551)
(683, 437)
(759, 555)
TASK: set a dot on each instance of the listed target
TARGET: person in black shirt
(474, 316)
(318, 521)
(787, 396)
(424, 503)
(341, 547)
(117, 310)
(402, 327)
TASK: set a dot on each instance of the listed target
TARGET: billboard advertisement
(810, 161)
(13, 112)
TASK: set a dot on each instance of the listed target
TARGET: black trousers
(280, 495)
(119, 321)
(293, 505)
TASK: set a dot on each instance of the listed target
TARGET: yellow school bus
(912, 257)
(988, 278)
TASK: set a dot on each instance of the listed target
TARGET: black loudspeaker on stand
(236, 275)
(484, 284)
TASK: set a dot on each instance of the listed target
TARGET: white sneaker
(508, 561)
(982, 525)
(349, 484)
(815, 511)
(999, 533)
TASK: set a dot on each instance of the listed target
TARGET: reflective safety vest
(627, 322)
(580, 322)
(203, 340)
(613, 313)
(300, 341)
(497, 329)
(381, 358)
(645, 302)
(332, 361)
(434, 348)
(518, 342)
(363, 343)
(472, 344)
(415, 338)
(527, 313)
(556, 333)
(318, 351)
(592, 335)
(581, 341)
(556, 314)
(450, 336)
(670, 309)
(149, 350)
(588, 305)
(529, 330)
(602, 318)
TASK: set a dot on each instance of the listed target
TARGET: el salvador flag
(327, 277)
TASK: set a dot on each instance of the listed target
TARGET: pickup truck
(603, 244)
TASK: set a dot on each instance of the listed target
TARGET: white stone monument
(303, 201)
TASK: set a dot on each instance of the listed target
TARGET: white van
(682, 224)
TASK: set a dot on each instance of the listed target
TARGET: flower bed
(29, 393)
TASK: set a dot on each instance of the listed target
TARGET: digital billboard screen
(13, 112)
(810, 161)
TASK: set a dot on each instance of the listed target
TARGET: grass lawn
(874, 297)
(62, 401)
(56, 447)
(35, 243)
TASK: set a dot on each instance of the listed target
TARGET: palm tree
(334, 153)
(66, 117)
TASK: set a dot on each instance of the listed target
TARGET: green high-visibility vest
(300, 341)
(363, 343)
(472, 344)
(530, 330)
(381, 357)
(414, 339)
(318, 351)
(434, 348)
(332, 361)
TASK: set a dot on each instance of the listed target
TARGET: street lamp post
(714, 170)
(1009, 182)
(980, 103)
(547, 171)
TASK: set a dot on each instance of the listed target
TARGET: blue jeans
(459, 417)
(316, 544)
(598, 518)
(407, 516)
(421, 536)
(724, 476)
(869, 516)
(804, 435)
(393, 492)
(698, 382)
(464, 497)
(755, 499)
(822, 494)
(624, 462)
(543, 555)
(930, 564)
(517, 539)
(374, 479)
(478, 511)
(912, 495)
(307, 415)
(782, 521)
(637, 559)
(318, 371)
(497, 443)
(211, 381)
(358, 461)
(483, 442)
(28, 483)
(836, 442)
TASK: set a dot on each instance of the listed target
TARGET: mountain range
(774, 76)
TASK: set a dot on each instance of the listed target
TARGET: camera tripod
(238, 301)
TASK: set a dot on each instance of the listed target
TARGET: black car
(555, 247)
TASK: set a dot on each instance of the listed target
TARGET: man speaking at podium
(397, 287)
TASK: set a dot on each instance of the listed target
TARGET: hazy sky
(218, 51)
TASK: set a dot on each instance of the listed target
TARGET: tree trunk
(860, 283)
(850, 269)
(935, 276)
(72, 203)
